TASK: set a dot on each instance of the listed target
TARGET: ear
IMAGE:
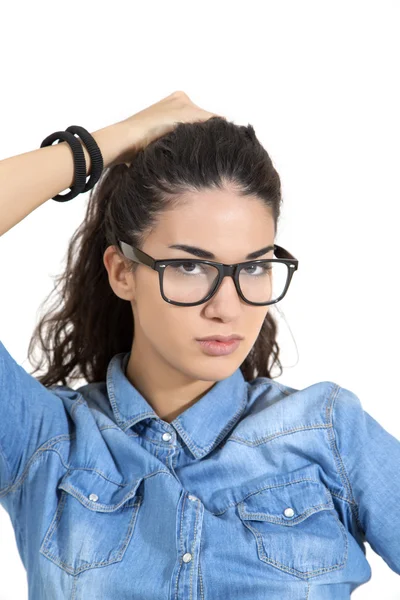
(121, 279)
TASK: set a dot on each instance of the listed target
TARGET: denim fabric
(256, 491)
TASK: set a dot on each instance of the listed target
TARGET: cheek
(162, 322)
(178, 328)
(258, 322)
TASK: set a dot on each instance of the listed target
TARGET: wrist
(113, 141)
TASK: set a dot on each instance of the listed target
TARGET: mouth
(220, 338)
(217, 348)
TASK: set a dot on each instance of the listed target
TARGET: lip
(215, 348)
(220, 338)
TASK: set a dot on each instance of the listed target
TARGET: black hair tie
(97, 163)
(80, 185)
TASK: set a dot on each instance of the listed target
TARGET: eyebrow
(210, 256)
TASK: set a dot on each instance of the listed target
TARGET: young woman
(181, 469)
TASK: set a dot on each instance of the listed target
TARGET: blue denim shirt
(256, 491)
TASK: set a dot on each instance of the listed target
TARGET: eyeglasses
(189, 282)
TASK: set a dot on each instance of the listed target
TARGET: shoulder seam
(337, 456)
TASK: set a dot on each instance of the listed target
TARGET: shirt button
(191, 497)
(288, 512)
(187, 557)
(93, 497)
(166, 437)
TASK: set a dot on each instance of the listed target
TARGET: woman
(181, 468)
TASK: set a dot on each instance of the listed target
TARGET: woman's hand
(160, 118)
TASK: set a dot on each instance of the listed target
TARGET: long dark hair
(88, 323)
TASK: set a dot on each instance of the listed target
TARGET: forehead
(217, 215)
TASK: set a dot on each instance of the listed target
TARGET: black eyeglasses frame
(284, 256)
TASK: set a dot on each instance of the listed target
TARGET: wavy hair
(88, 323)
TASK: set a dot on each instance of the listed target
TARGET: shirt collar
(202, 426)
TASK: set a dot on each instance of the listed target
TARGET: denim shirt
(256, 491)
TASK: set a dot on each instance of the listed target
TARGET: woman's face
(228, 226)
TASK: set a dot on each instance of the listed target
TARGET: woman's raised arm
(30, 179)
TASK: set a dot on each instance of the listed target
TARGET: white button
(93, 497)
(192, 497)
(288, 512)
(166, 437)
(187, 557)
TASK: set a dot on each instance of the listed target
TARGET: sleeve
(30, 414)
(369, 458)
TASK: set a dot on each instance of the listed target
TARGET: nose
(226, 282)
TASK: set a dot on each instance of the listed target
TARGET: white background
(318, 81)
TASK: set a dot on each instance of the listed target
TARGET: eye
(263, 269)
(187, 268)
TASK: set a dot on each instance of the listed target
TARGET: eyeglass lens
(189, 282)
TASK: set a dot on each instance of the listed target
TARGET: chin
(215, 368)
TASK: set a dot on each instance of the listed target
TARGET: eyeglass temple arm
(282, 253)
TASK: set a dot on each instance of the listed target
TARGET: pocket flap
(98, 493)
(287, 504)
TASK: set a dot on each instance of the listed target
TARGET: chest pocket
(93, 523)
(296, 528)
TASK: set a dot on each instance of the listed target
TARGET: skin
(167, 365)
